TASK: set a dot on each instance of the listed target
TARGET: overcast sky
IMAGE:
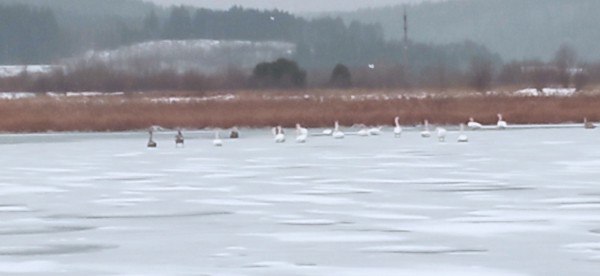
(289, 5)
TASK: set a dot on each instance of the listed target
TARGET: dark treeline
(482, 75)
(28, 35)
(329, 52)
(516, 29)
(321, 42)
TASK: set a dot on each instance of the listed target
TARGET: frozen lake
(518, 202)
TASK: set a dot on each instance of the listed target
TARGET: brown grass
(250, 109)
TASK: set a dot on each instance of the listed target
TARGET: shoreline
(122, 113)
(386, 129)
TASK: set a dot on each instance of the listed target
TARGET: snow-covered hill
(203, 55)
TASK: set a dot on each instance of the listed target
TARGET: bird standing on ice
(425, 133)
(179, 139)
(375, 131)
(462, 137)
(151, 143)
(501, 123)
(302, 134)
(364, 132)
(473, 125)
(217, 142)
(588, 125)
(337, 134)
(279, 134)
(235, 133)
(398, 128)
(441, 134)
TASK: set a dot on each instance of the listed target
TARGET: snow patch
(563, 92)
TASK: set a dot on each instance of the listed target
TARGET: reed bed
(140, 111)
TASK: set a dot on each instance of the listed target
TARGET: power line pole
(405, 52)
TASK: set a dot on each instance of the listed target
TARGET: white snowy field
(517, 202)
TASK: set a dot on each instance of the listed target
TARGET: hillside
(515, 29)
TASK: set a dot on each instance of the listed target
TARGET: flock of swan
(302, 133)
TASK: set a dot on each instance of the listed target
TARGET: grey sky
(289, 5)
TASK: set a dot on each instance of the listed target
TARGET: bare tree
(481, 74)
(580, 80)
(564, 60)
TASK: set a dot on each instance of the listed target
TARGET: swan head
(471, 119)
(298, 126)
(499, 116)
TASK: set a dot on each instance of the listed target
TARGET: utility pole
(405, 42)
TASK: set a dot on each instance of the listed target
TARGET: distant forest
(515, 29)
(46, 30)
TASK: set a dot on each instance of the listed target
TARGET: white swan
(501, 123)
(398, 128)
(375, 131)
(441, 134)
(151, 142)
(425, 133)
(217, 142)
(328, 132)
(363, 132)
(279, 134)
(473, 125)
(337, 134)
(462, 137)
(588, 125)
(302, 134)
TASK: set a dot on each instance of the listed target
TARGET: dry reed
(131, 112)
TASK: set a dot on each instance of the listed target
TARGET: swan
(398, 128)
(217, 142)
(151, 143)
(179, 139)
(501, 123)
(327, 132)
(588, 125)
(279, 134)
(473, 125)
(364, 132)
(462, 138)
(235, 133)
(425, 133)
(337, 134)
(302, 134)
(375, 131)
(441, 134)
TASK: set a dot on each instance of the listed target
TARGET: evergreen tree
(341, 77)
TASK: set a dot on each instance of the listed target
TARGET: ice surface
(519, 202)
